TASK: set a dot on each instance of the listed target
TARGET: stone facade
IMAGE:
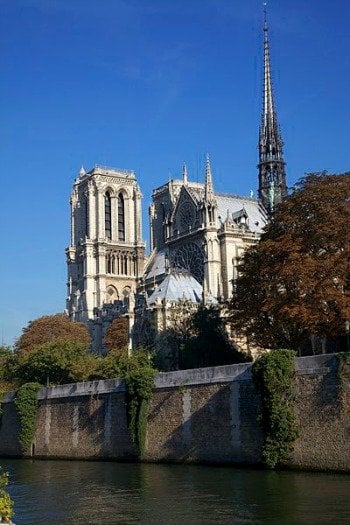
(106, 254)
(202, 232)
(203, 415)
(197, 239)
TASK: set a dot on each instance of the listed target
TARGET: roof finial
(82, 171)
(184, 173)
(209, 189)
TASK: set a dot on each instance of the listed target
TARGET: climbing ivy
(26, 403)
(343, 361)
(6, 503)
(139, 379)
(273, 375)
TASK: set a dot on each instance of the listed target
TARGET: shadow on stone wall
(214, 425)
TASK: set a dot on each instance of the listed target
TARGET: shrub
(139, 378)
(26, 403)
(6, 503)
(273, 374)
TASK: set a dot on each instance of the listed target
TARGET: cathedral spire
(272, 177)
(208, 188)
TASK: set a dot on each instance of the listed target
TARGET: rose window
(190, 257)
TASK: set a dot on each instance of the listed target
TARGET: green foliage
(139, 378)
(343, 362)
(209, 344)
(6, 503)
(7, 360)
(273, 375)
(55, 362)
(26, 403)
(108, 367)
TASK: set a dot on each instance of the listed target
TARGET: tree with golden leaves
(51, 328)
(296, 281)
(117, 336)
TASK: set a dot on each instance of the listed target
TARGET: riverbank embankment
(208, 415)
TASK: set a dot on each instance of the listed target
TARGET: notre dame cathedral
(196, 236)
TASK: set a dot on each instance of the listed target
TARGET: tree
(296, 281)
(51, 328)
(6, 358)
(170, 343)
(117, 337)
(208, 343)
(56, 362)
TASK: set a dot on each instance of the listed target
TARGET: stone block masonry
(205, 415)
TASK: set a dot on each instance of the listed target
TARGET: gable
(185, 214)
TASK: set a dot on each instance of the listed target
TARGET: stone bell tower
(106, 254)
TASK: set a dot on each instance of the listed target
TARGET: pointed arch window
(121, 217)
(108, 218)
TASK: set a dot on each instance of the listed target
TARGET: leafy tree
(55, 362)
(50, 328)
(117, 337)
(108, 366)
(296, 280)
(208, 343)
(6, 359)
(170, 343)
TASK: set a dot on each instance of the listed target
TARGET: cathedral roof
(233, 204)
(155, 265)
(179, 285)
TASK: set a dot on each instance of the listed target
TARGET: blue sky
(146, 85)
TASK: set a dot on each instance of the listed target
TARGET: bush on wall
(26, 403)
(139, 378)
(273, 375)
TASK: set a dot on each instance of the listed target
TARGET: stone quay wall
(208, 415)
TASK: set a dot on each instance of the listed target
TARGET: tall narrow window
(108, 222)
(108, 264)
(87, 226)
(121, 218)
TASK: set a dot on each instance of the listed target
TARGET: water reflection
(62, 492)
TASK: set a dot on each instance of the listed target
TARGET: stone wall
(204, 415)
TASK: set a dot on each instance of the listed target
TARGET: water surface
(78, 492)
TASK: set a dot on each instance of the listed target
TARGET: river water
(77, 492)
